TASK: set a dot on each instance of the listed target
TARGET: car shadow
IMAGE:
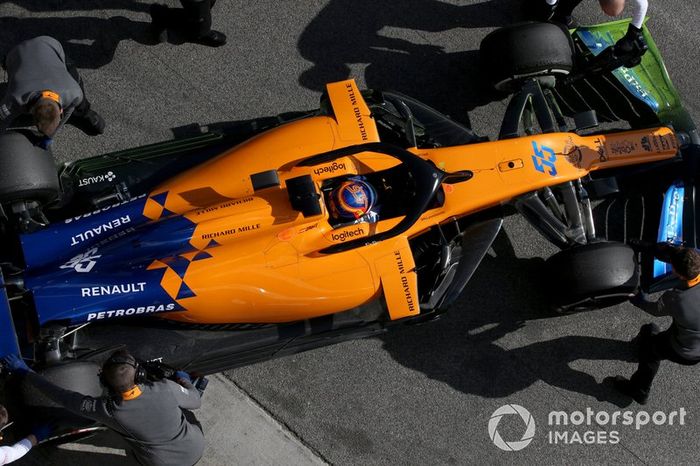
(349, 34)
(463, 350)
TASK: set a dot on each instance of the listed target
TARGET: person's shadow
(363, 33)
(89, 42)
(462, 348)
(80, 5)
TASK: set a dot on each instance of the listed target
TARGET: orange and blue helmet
(352, 199)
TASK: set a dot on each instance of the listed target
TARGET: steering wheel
(428, 180)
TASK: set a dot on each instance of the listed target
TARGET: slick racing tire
(77, 376)
(592, 276)
(27, 172)
(524, 50)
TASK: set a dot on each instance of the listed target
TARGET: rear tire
(77, 376)
(592, 276)
(524, 50)
(27, 172)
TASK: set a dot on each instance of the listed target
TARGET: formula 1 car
(208, 252)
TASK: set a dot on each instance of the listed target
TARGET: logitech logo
(342, 236)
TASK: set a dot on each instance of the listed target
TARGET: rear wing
(8, 335)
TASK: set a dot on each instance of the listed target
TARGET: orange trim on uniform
(51, 95)
(132, 394)
(694, 281)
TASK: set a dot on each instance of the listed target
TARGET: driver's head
(352, 199)
(686, 262)
(47, 113)
(119, 371)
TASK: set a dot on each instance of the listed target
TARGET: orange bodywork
(264, 262)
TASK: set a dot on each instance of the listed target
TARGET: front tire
(514, 53)
(592, 276)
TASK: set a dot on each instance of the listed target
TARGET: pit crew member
(42, 84)
(153, 417)
(680, 343)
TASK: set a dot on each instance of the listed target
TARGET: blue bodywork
(96, 266)
(8, 336)
(596, 42)
(671, 225)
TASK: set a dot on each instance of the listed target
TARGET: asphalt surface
(423, 395)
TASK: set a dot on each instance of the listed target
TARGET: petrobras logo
(131, 311)
(103, 209)
(83, 263)
(512, 410)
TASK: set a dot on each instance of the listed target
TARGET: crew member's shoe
(212, 39)
(626, 387)
(94, 123)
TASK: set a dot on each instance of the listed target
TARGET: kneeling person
(153, 417)
(42, 85)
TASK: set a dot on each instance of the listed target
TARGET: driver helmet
(352, 199)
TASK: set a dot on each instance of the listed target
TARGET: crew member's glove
(16, 364)
(45, 143)
(640, 299)
(41, 432)
(182, 375)
(631, 47)
(639, 245)
(665, 251)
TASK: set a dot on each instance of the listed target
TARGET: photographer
(152, 416)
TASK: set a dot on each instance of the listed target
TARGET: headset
(53, 96)
(139, 377)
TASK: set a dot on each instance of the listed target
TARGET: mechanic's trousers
(654, 347)
(194, 18)
(81, 110)
(198, 15)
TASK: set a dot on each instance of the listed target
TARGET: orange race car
(373, 211)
